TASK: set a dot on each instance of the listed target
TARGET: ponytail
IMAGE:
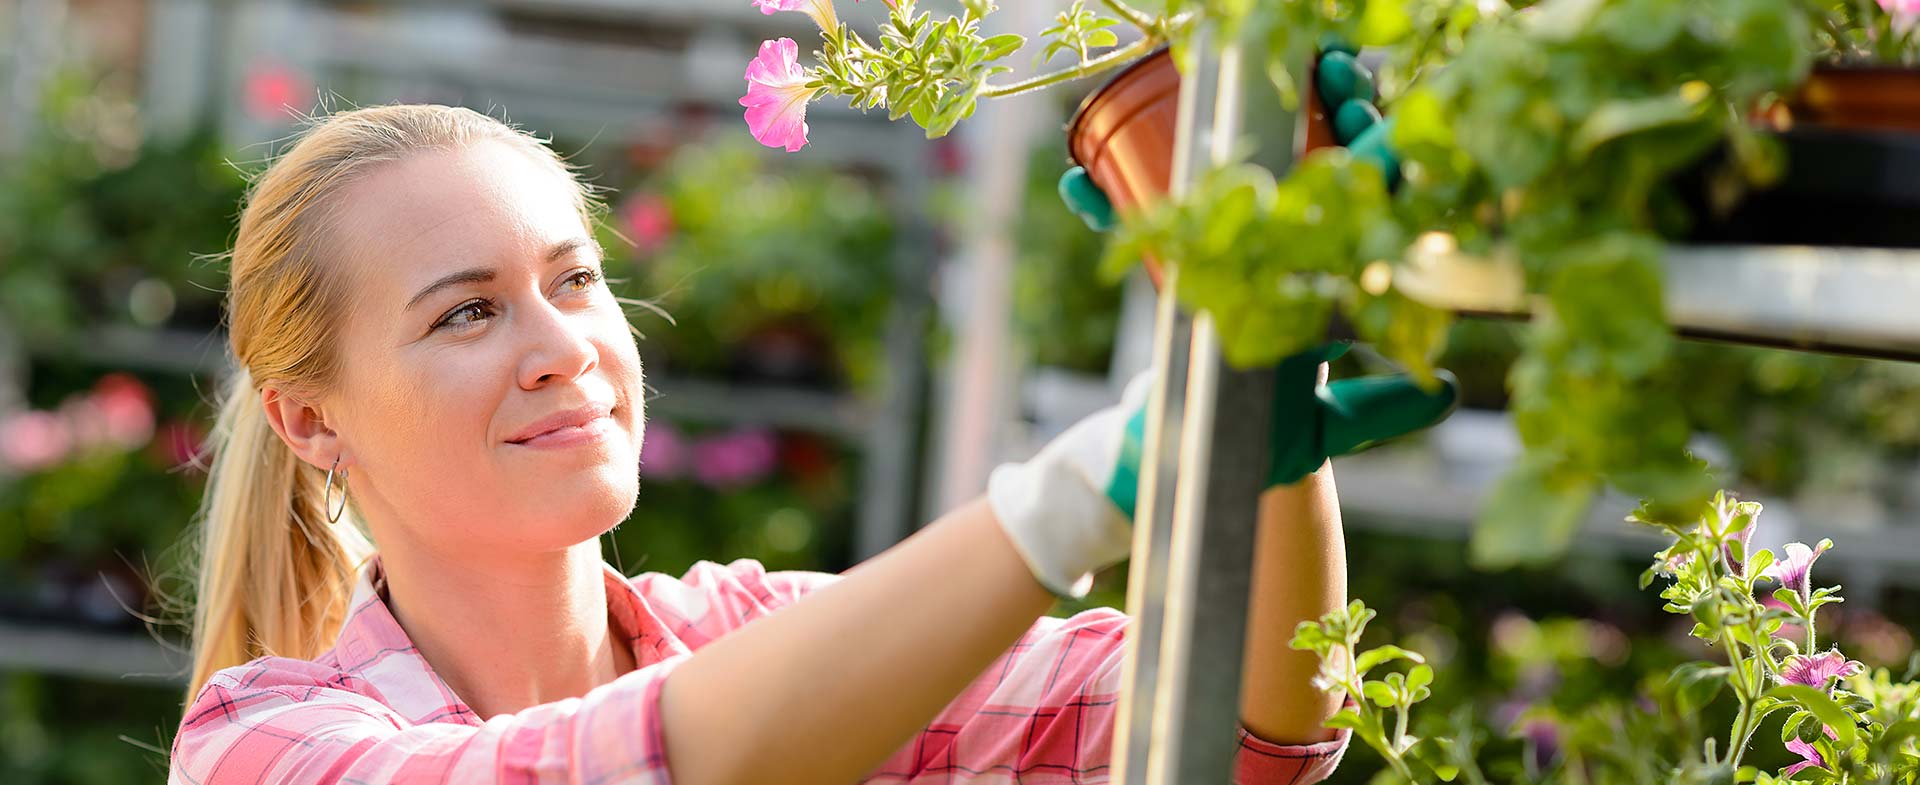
(275, 576)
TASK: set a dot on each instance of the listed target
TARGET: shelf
(836, 414)
(1837, 299)
(1434, 487)
(106, 656)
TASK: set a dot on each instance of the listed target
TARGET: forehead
(481, 205)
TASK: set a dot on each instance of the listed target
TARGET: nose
(558, 347)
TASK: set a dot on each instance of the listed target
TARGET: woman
(428, 356)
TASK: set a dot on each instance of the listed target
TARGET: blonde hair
(274, 577)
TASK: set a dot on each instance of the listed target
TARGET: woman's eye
(466, 314)
(584, 279)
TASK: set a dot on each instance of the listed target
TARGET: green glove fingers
(1355, 413)
(1373, 145)
(1353, 118)
(1313, 422)
(1341, 78)
(1086, 199)
(1346, 88)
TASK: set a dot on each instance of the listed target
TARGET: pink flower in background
(125, 409)
(1905, 8)
(736, 459)
(30, 441)
(821, 11)
(777, 96)
(663, 452)
(649, 220)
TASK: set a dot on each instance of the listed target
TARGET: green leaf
(1383, 22)
(1380, 694)
(1620, 117)
(1418, 678)
(1002, 45)
(1367, 660)
(1695, 684)
(1822, 706)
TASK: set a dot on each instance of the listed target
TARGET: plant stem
(1736, 744)
(1810, 633)
(1105, 62)
(1742, 729)
(1135, 16)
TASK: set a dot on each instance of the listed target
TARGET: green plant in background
(1758, 609)
(1063, 319)
(736, 251)
(98, 227)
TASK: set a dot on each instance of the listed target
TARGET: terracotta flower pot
(1123, 134)
(1860, 98)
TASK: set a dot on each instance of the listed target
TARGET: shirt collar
(373, 646)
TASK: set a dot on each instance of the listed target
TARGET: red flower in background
(178, 445)
(273, 93)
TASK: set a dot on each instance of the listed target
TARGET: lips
(574, 417)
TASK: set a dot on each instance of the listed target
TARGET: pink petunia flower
(1795, 572)
(777, 96)
(1901, 8)
(821, 11)
(1818, 670)
(1808, 752)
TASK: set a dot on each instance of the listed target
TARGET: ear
(303, 426)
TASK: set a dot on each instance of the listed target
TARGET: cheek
(433, 410)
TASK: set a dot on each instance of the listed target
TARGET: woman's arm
(825, 690)
(1299, 573)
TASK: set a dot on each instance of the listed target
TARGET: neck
(507, 634)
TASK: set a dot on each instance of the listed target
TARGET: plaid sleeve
(713, 599)
(277, 721)
(1044, 712)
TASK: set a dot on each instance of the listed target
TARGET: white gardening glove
(1069, 510)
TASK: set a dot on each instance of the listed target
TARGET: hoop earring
(326, 494)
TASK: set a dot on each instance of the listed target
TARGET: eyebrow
(485, 274)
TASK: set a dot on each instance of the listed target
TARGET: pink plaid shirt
(371, 710)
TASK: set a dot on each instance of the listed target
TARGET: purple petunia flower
(1795, 572)
(1818, 670)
